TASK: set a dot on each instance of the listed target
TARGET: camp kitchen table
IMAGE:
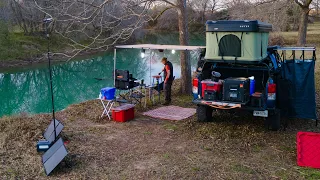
(136, 94)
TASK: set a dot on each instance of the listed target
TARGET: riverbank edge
(9, 64)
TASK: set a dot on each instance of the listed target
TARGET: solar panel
(49, 132)
(54, 156)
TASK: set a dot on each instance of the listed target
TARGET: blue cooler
(108, 93)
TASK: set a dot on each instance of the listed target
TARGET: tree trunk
(317, 7)
(203, 16)
(184, 55)
(303, 25)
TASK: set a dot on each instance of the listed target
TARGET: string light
(143, 53)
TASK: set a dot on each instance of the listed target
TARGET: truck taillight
(195, 86)
(272, 88)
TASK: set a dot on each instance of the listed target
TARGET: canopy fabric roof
(159, 46)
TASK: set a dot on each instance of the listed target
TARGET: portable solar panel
(54, 156)
(49, 132)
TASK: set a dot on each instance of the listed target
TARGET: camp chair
(159, 88)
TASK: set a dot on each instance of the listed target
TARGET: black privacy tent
(299, 89)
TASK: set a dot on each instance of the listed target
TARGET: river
(26, 90)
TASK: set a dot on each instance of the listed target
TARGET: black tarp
(300, 75)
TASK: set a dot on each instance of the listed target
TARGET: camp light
(143, 53)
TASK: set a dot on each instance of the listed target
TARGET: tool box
(236, 90)
(210, 85)
(210, 95)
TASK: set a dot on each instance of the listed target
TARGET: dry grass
(233, 147)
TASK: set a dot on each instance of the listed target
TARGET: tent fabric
(300, 74)
(253, 46)
(162, 47)
(230, 45)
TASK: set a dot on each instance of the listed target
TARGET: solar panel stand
(48, 21)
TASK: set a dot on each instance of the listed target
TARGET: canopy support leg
(114, 66)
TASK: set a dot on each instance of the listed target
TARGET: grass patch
(243, 169)
(195, 169)
(170, 127)
(309, 173)
(147, 133)
(166, 156)
(22, 47)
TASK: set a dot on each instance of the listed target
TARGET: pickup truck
(239, 72)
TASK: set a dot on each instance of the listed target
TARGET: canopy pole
(150, 66)
(114, 66)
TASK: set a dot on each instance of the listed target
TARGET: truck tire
(204, 113)
(273, 122)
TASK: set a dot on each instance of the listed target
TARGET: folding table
(107, 106)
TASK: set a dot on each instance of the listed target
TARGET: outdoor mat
(171, 113)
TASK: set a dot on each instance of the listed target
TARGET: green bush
(4, 33)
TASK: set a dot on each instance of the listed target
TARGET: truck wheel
(204, 113)
(273, 122)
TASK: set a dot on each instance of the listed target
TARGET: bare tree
(181, 8)
(316, 4)
(94, 24)
(303, 25)
(271, 11)
(184, 40)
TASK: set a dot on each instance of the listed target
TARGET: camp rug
(175, 113)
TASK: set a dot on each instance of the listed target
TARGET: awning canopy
(160, 47)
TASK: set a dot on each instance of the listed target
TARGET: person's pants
(167, 91)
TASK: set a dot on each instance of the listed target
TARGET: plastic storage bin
(123, 113)
(108, 93)
(308, 149)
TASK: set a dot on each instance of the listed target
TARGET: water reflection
(75, 81)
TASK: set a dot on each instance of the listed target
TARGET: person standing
(168, 79)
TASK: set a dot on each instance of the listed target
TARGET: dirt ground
(146, 148)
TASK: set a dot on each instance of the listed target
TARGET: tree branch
(160, 14)
(299, 3)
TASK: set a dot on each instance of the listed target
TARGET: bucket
(108, 93)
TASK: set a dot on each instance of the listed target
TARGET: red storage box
(211, 85)
(308, 149)
(123, 113)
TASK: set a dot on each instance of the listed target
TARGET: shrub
(4, 33)
(276, 39)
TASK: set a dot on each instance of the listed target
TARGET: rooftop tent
(240, 41)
